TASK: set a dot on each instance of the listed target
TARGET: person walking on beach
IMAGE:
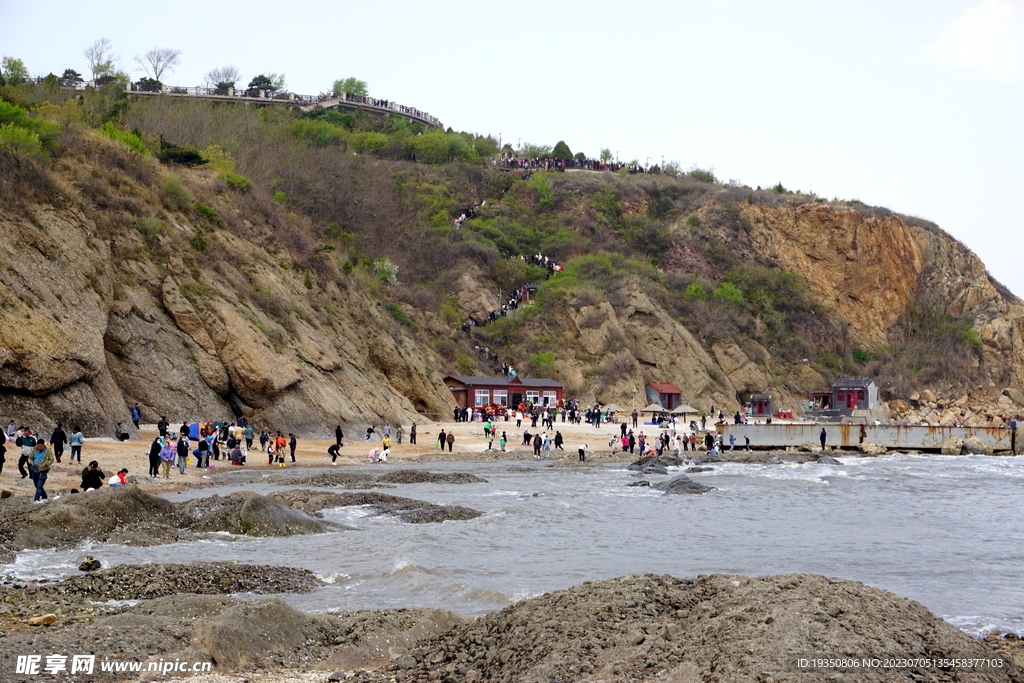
(822, 437)
(42, 458)
(249, 434)
(536, 445)
(502, 441)
(154, 456)
(167, 453)
(399, 433)
(28, 444)
(412, 434)
(451, 440)
(292, 443)
(183, 448)
(136, 414)
(338, 435)
(162, 426)
(264, 438)
(57, 441)
(559, 441)
(441, 438)
(635, 416)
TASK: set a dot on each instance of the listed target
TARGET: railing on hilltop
(269, 97)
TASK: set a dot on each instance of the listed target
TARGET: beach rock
(419, 477)
(251, 514)
(976, 446)
(642, 482)
(148, 581)
(1015, 396)
(43, 620)
(681, 484)
(868, 448)
(826, 459)
(954, 445)
(407, 509)
(97, 515)
(694, 470)
(649, 627)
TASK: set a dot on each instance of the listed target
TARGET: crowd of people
(560, 165)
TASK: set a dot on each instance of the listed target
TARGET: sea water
(940, 530)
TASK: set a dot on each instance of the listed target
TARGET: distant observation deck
(342, 101)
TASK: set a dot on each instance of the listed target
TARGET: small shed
(855, 393)
(664, 394)
(760, 405)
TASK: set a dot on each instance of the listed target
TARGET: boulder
(868, 448)
(694, 470)
(927, 396)
(954, 445)
(251, 514)
(976, 446)
(826, 459)
(682, 484)
(406, 509)
(1015, 396)
(642, 482)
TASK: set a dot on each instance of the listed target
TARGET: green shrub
(125, 137)
(696, 291)
(236, 181)
(694, 221)
(210, 214)
(177, 193)
(860, 356)
(729, 292)
(543, 364)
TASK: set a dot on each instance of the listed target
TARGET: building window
(501, 397)
(483, 397)
(532, 396)
(550, 398)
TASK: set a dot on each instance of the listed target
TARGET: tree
(223, 77)
(158, 60)
(70, 77)
(270, 82)
(14, 70)
(351, 85)
(561, 151)
(606, 155)
(101, 58)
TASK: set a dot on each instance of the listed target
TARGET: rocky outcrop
(711, 628)
(406, 509)
(865, 269)
(251, 514)
(681, 484)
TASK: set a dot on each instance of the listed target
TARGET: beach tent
(193, 430)
(653, 408)
(684, 410)
(612, 408)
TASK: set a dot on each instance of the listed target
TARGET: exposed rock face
(89, 324)
(866, 269)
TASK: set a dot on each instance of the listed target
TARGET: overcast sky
(913, 105)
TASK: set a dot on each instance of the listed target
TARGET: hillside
(309, 274)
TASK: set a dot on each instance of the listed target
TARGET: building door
(851, 400)
(517, 398)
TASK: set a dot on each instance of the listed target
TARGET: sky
(914, 105)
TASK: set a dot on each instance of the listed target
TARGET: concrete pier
(849, 436)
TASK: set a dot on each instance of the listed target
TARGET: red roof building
(471, 392)
(665, 394)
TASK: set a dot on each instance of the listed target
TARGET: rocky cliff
(170, 289)
(125, 280)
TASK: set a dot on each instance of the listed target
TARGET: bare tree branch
(224, 74)
(101, 57)
(158, 60)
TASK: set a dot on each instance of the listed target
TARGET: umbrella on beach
(612, 408)
(653, 408)
(684, 410)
